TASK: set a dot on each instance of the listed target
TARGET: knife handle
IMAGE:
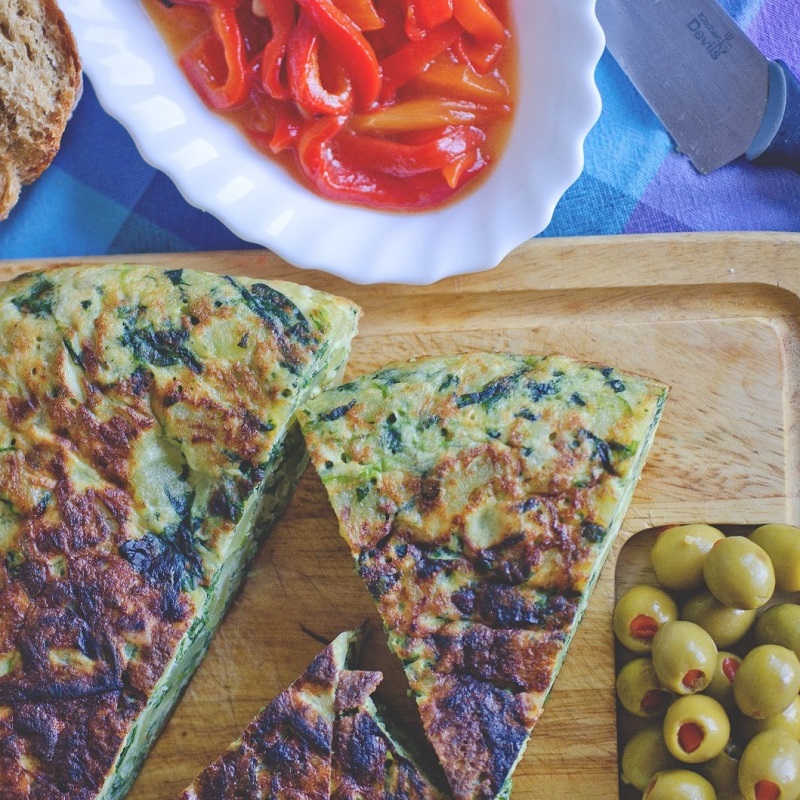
(777, 142)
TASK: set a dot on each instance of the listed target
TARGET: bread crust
(28, 157)
(9, 187)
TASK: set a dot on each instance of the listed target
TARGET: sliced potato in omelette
(146, 444)
(322, 738)
(480, 495)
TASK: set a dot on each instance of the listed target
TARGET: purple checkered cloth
(99, 197)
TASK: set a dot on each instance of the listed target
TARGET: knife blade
(714, 91)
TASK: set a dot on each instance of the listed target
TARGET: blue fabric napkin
(99, 196)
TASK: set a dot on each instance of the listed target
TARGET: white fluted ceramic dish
(214, 167)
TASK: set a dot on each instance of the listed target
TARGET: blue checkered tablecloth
(99, 196)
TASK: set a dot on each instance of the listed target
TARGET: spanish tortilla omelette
(321, 739)
(146, 444)
(480, 495)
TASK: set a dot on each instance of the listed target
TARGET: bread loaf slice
(40, 83)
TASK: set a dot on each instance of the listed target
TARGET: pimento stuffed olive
(679, 784)
(722, 772)
(725, 625)
(770, 767)
(638, 615)
(639, 690)
(787, 720)
(721, 686)
(780, 624)
(782, 545)
(767, 681)
(696, 728)
(739, 573)
(684, 657)
(678, 555)
(644, 755)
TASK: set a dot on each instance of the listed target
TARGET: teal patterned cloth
(99, 197)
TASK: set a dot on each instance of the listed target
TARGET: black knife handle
(777, 143)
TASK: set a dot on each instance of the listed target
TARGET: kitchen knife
(715, 92)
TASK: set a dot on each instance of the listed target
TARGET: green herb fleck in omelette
(480, 495)
(146, 443)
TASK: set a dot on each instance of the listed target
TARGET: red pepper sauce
(391, 104)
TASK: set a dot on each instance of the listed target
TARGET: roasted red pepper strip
(305, 82)
(431, 13)
(392, 35)
(407, 62)
(481, 56)
(421, 16)
(362, 12)
(413, 28)
(282, 15)
(457, 169)
(336, 179)
(405, 159)
(216, 65)
(479, 20)
(206, 3)
(287, 128)
(355, 52)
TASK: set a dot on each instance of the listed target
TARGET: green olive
(782, 545)
(639, 613)
(639, 690)
(767, 681)
(770, 767)
(721, 686)
(678, 554)
(696, 728)
(722, 772)
(684, 657)
(679, 784)
(788, 720)
(643, 755)
(726, 625)
(780, 624)
(739, 573)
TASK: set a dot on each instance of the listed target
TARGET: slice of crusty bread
(40, 83)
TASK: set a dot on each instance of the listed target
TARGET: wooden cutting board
(715, 316)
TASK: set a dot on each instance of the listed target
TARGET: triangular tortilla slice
(369, 760)
(147, 442)
(480, 495)
(321, 738)
(285, 752)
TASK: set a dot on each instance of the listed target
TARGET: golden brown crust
(366, 766)
(66, 96)
(9, 187)
(353, 689)
(367, 763)
(285, 752)
(321, 739)
(139, 411)
(479, 495)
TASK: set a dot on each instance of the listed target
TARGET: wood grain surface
(715, 316)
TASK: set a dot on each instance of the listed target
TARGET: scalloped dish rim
(138, 82)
